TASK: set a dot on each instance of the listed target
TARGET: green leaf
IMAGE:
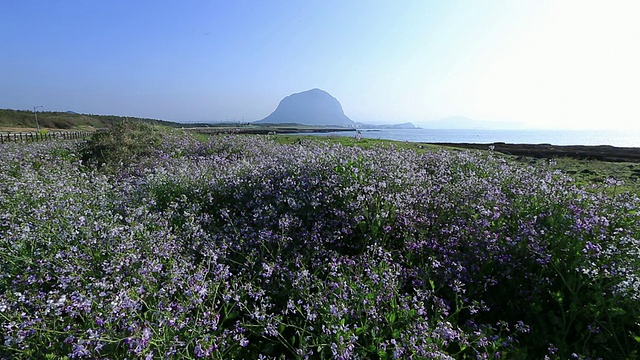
(392, 317)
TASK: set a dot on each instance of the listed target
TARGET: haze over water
(554, 137)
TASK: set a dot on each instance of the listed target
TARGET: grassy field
(24, 120)
(144, 242)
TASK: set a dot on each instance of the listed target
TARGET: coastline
(555, 137)
(581, 152)
(267, 130)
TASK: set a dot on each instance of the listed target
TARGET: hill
(312, 107)
(69, 120)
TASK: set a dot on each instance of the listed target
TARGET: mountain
(462, 122)
(311, 107)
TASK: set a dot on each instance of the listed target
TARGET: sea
(553, 137)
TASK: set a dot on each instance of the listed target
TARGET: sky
(545, 64)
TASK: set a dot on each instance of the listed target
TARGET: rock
(312, 107)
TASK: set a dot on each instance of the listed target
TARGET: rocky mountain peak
(311, 107)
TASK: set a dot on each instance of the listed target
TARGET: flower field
(239, 247)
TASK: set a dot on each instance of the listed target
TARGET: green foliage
(68, 120)
(364, 143)
(50, 120)
(594, 173)
(125, 142)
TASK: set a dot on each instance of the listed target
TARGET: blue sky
(546, 64)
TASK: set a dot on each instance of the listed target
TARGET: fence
(32, 136)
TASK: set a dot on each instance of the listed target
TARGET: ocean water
(554, 137)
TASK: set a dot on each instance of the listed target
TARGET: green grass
(25, 119)
(199, 136)
(593, 171)
(351, 141)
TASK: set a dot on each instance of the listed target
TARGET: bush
(124, 143)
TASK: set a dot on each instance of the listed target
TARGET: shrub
(126, 142)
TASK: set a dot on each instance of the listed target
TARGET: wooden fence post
(35, 137)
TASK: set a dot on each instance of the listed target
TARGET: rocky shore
(582, 152)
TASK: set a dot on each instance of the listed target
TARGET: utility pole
(36, 115)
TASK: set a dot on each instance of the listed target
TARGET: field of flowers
(239, 247)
